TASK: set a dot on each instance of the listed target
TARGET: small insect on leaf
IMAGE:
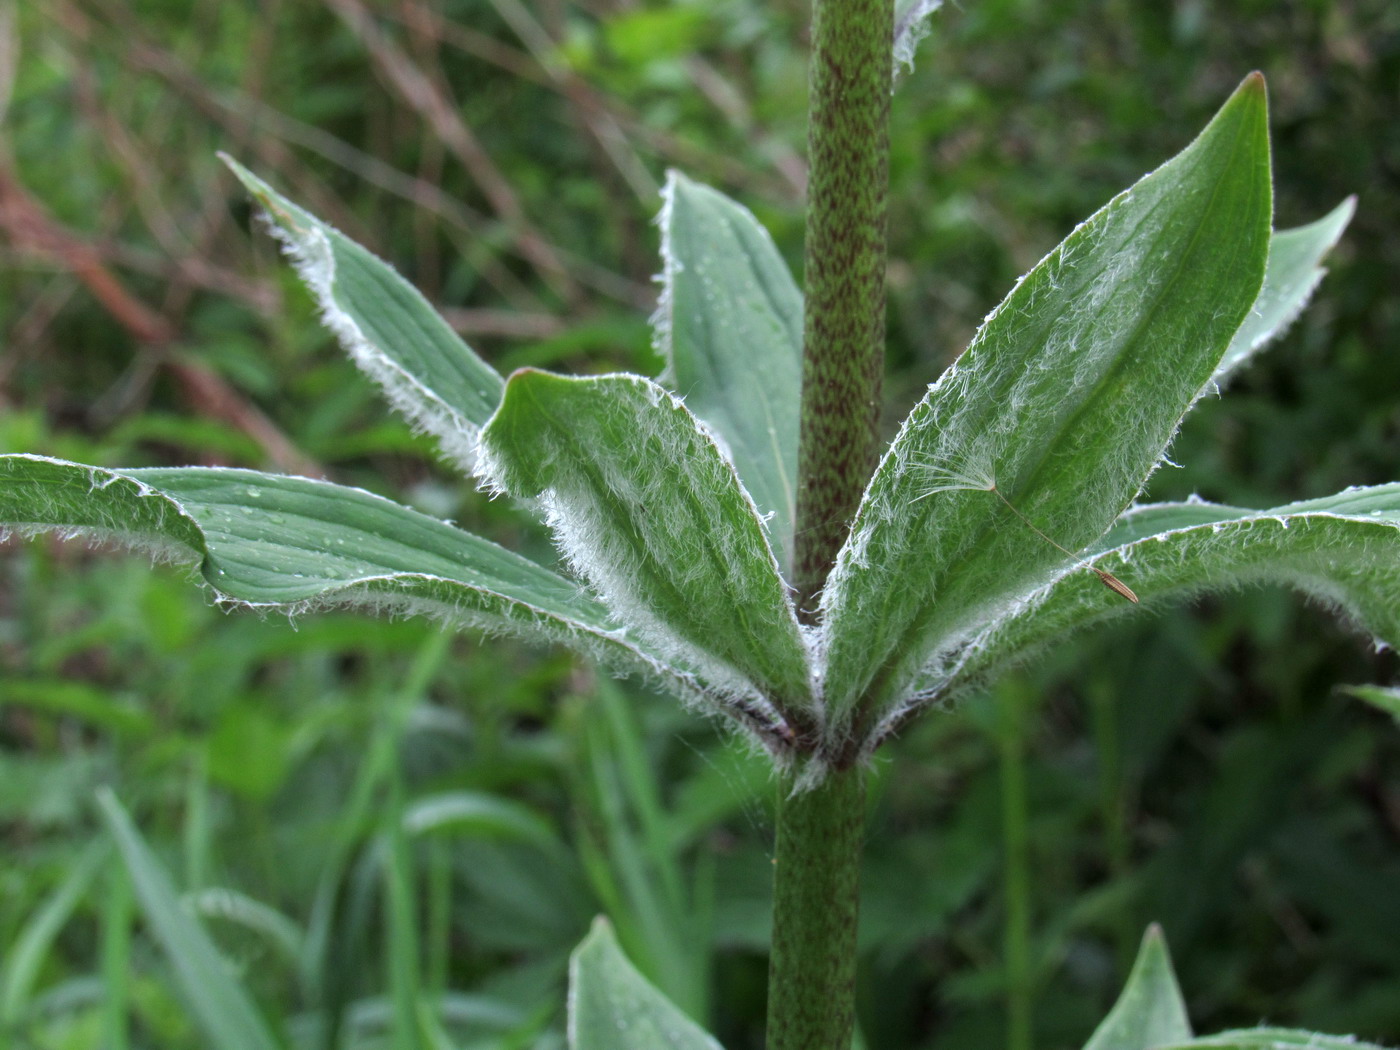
(1113, 583)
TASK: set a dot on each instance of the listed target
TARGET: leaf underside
(268, 540)
(1149, 1011)
(646, 507)
(613, 1007)
(1150, 1014)
(1382, 698)
(730, 328)
(1293, 273)
(1065, 402)
(1272, 1039)
(386, 326)
(1341, 550)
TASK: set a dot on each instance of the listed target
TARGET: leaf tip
(1252, 93)
(242, 174)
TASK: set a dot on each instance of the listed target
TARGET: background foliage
(1198, 768)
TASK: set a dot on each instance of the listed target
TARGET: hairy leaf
(644, 504)
(910, 26)
(1342, 550)
(1272, 1039)
(1380, 697)
(1293, 273)
(225, 1012)
(272, 540)
(386, 326)
(1060, 408)
(613, 1007)
(1150, 1010)
(730, 328)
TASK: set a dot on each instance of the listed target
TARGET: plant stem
(844, 277)
(1113, 808)
(811, 980)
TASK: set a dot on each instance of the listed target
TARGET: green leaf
(225, 1012)
(1272, 1039)
(280, 932)
(730, 328)
(1150, 1011)
(1065, 401)
(1294, 272)
(479, 814)
(649, 511)
(1387, 700)
(271, 540)
(1343, 550)
(25, 956)
(95, 705)
(612, 1007)
(250, 752)
(386, 326)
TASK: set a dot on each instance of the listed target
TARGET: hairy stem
(811, 980)
(811, 983)
(844, 277)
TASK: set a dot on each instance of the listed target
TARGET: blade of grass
(195, 835)
(1012, 712)
(117, 914)
(321, 967)
(24, 960)
(221, 1006)
(438, 936)
(402, 960)
(625, 876)
(656, 922)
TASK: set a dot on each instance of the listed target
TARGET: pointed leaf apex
(1252, 95)
(1150, 1011)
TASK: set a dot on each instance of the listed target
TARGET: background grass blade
(118, 910)
(222, 1008)
(24, 958)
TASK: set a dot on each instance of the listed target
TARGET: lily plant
(732, 533)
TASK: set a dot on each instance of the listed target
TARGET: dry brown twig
(30, 228)
(430, 101)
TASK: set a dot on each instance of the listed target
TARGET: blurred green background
(1196, 767)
